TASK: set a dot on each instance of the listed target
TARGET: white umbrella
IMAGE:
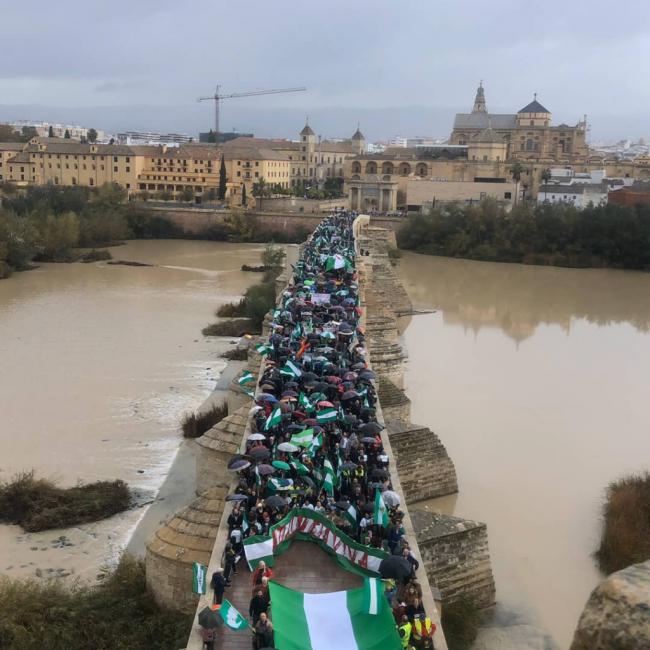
(391, 499)
(287, 446)
(257, 436)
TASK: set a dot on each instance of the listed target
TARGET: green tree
(50, 132)
(273, 255)
(66, 135)
(243, 195)
(59, 235)
(92, 135)
(222, 179)
(27, 133)
(187, 194)
(8, 134)
(546, 177)
(516, 170)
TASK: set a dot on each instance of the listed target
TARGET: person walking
(218, 584)
(258, 605)
(263, 633)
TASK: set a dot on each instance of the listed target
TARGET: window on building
(257, 174)
(114, 158)
(128, 169)
(91, 182)
(115, 169)
(507, 195)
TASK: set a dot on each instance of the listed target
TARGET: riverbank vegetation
(39, 504)
(625, 537)
(247, 314)
(50, 223)
(194, 425)
(560, 235)
(117, 614)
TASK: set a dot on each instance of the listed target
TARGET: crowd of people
(315, 440)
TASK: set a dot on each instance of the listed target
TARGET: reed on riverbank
(119, 613)
(232, 309)
(39, 504)
(230, 327)
(195, 425)
(625, 537)
(460, 621)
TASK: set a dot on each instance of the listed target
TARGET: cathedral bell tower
(479, 100)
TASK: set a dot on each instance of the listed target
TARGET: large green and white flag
(381, 513)
(304, 403)
(199, 578)
(274, 419)
(331, 620)
(231, 617)
(246, 378)
(303, 438)
(315, 444)
(351, 515)
(337, 262)
(327, 415)
(373, 596)
(328, 483)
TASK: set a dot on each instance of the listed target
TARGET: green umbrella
(280, 464)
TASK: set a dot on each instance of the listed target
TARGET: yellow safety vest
(407, 634)
(419, 632)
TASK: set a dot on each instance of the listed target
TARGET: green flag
(246, 378)
(351, 515)
(231, 617)
(303, 438)
(304, 403)
(291, 369)
(199, 578)
(244, 524)
(263, 349)
(381, 514)
(373, 596)
(327, 415)
(274, 419)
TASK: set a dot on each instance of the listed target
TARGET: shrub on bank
(460, 621)
(117, 614)
(231, 327)
(236, 354)
(625, 537)
(38, 504)
(232, 309)
(95, 256)
(195, 425)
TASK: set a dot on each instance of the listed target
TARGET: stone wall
(456, 557)
(426, 469)
(187, 538)
(196, 220)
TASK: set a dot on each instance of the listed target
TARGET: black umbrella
(366, 374)
(210, 619)
(367, 440)
(275, 501)
(349, 465)
(258, 453)
(395, 567)
(370, 428)
(308, 481)
(343, 505)
(237, 457)
(264, 470)
(349, 394)
(236, 497)
(379, 473)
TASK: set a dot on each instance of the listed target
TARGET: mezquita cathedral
(527, 134)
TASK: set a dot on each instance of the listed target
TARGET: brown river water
(99, 363)
(536, 380)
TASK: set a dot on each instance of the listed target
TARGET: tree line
(553, 234)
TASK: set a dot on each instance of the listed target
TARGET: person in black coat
(258, 604)
(218, 584)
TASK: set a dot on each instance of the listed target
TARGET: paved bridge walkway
(304, 567)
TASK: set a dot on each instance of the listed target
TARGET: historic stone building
(528, 134)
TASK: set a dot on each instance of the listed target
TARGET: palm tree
(516, 171)
(546, 177)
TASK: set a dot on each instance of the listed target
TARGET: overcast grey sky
(580, 56)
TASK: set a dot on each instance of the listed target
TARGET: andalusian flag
(330, 620)
(231, 617)
(381, 514)
(263, 349)
(274, 419)
(303, 438)
(304, 403)
(328, 483)
(351, 515)
(327, 415)
(244, 524)
(246, 378)
(199, 578)
(291, 369)
(373, 596)
(303, 470)
(337, 262)
(315, 444)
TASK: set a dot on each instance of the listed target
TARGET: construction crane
(217, 97)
